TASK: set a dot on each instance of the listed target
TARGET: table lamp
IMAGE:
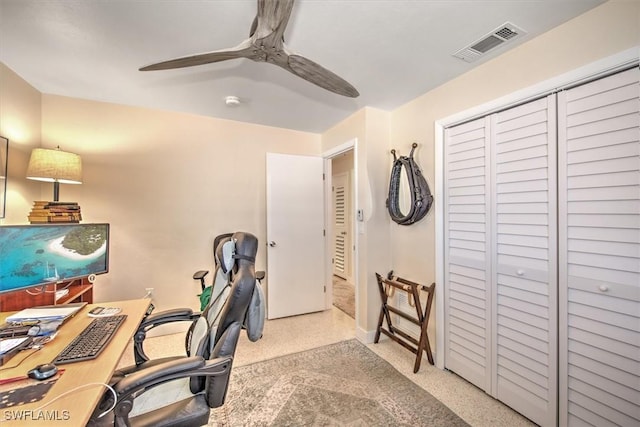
(55, 166)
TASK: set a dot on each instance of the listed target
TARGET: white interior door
(342, 245)
(295, 235)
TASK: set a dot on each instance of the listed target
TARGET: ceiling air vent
(495, 38)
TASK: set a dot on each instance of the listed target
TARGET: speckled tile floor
(299, 333)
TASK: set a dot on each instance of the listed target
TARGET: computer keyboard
(91, 341)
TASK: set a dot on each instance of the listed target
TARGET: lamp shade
(55, 166)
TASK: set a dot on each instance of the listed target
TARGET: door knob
(603, 288)
(272, 244)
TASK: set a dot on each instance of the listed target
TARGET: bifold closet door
(599, 241)
(501, 257)
(467, 253)
(524, 311)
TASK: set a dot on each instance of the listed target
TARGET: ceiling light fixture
(232, 101)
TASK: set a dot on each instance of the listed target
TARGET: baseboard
(365, 337)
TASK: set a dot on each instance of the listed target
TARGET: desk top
(75, 408)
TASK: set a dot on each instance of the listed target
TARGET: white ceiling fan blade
(241, 51)
(320, 76)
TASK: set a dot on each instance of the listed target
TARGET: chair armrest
(128, 370)
(128, 388)
(155, 320)
(167, 316)
(200, 274)
(154, 374)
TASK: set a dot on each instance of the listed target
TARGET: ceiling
(391, 51)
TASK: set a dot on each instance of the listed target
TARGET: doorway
(342, 236)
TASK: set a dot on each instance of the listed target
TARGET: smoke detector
(507, 32)
(232, 101)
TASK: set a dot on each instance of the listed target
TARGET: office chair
(208, 380)
(224, 248)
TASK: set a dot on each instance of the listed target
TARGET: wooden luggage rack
(387, 287)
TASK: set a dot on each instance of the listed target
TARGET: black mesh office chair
(207, 379)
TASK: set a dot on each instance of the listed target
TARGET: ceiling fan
(266, 44)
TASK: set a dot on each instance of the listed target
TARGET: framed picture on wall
(4, 153)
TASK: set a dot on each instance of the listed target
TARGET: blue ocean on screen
(36, 255)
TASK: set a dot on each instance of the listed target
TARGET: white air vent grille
(495, 38)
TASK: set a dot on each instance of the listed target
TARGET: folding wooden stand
(387, 287)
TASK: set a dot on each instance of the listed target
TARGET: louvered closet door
(467, 261)
(525, 259)
(599, 185)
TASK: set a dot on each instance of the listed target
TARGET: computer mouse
(42, 372)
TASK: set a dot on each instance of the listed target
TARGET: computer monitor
(33, 255)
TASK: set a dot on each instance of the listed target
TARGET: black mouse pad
(25, 391)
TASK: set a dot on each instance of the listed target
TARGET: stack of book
(47, 212)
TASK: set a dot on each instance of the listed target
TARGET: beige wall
(19, 122)
(167, 183)
(370, 128)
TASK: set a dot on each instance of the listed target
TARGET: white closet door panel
(466, 253)
(531, 142)
(600, 234)
(532, 241)
(523, 251)
(622, 102)
(618, 151)
(514, 282)
(581, 417)
(593, 366)
(522, 394)
(506, 342)
(599, 241)
(628, 164)
(465, 173)
(631, 222)
(608, 359)
(526, 158)
(605, 248)
(603, 126)
(528, 310)
(606, 400)
(615, 137)
(532, 230)
(529, 197)
(522, 187)
(628, 192)
(456, 161)
(585, 411)
(467, 235)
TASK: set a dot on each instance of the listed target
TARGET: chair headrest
(246, 247)
(224, 254)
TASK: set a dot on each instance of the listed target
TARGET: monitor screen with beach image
(35, 255)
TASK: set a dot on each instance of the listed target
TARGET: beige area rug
(344, 296)
(343, 384)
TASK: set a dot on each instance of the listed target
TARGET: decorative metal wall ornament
(416, 185)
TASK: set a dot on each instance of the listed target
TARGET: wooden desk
(75, 408)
